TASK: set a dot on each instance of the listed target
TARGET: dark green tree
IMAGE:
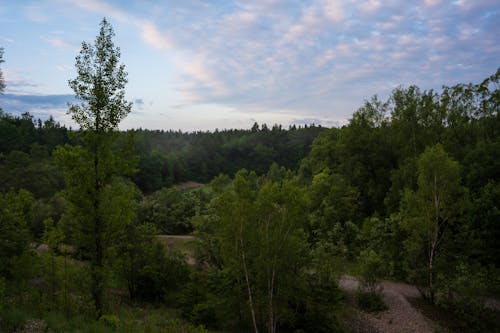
(2, 80)
(15, 211)
(100, 197)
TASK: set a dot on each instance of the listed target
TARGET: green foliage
(484, 229)
(2, 80)
(464, 292)
(200, 296)
(386, 237)
(261, 237)
(319, 312)
(203, 314)
(169, 157)
(170, 210)
(17, 320)
(101, 200)
(464, 289)
(100, 84)
(270, 246)
(15, 210)
(2, 292)
(370, 301)
(19, 133)
(149, 270)
(372, 270)
(37, 174)
(161, 274)
(318, 299)
(429, 212)
(110, 321)
(334, 207)
(12, 320)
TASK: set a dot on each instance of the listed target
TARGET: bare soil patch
(188, 185)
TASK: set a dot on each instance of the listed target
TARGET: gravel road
(400, 317)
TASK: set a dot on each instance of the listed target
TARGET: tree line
(166, 158)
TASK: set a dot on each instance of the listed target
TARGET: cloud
(139, 103)
(153, 36)
(63, 68)
(60, 43)
(315, 60)
(334, 10)
(101, 7)
(35, 14)
(241, 20)
(317, 121)
(40, 106)
(41, 101)
(149, 31)
(307, 25)
(20, 83)
(431, 3)
(370, 7)
(318, 58)
(18, 79)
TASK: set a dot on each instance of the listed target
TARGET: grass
(136, 320)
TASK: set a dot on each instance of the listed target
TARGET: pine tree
(2, 80)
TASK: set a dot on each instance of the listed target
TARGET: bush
(371, 301)
(159, 273)
(372, 269)
(110, 321)
(2, 291)
(463, 292)
(205, 297)
(204, 314)
(148, 268)
(317, 304)
(12, 319)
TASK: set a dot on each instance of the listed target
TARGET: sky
(201, 65)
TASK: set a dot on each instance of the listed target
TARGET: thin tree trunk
(434, 241)
(247, 279)
(250, 298)
(66, 310)
(97, 269)
(272, 318)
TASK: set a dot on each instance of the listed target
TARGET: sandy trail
(400, 317)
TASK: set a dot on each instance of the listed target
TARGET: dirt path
(400, 317)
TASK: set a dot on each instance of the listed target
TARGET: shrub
(372, 269)
(204, 314)
(463, 292)
(110, 321)
(2, 291)
(12, 319)
(371, 301)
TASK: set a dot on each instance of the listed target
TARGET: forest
(100, 230)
